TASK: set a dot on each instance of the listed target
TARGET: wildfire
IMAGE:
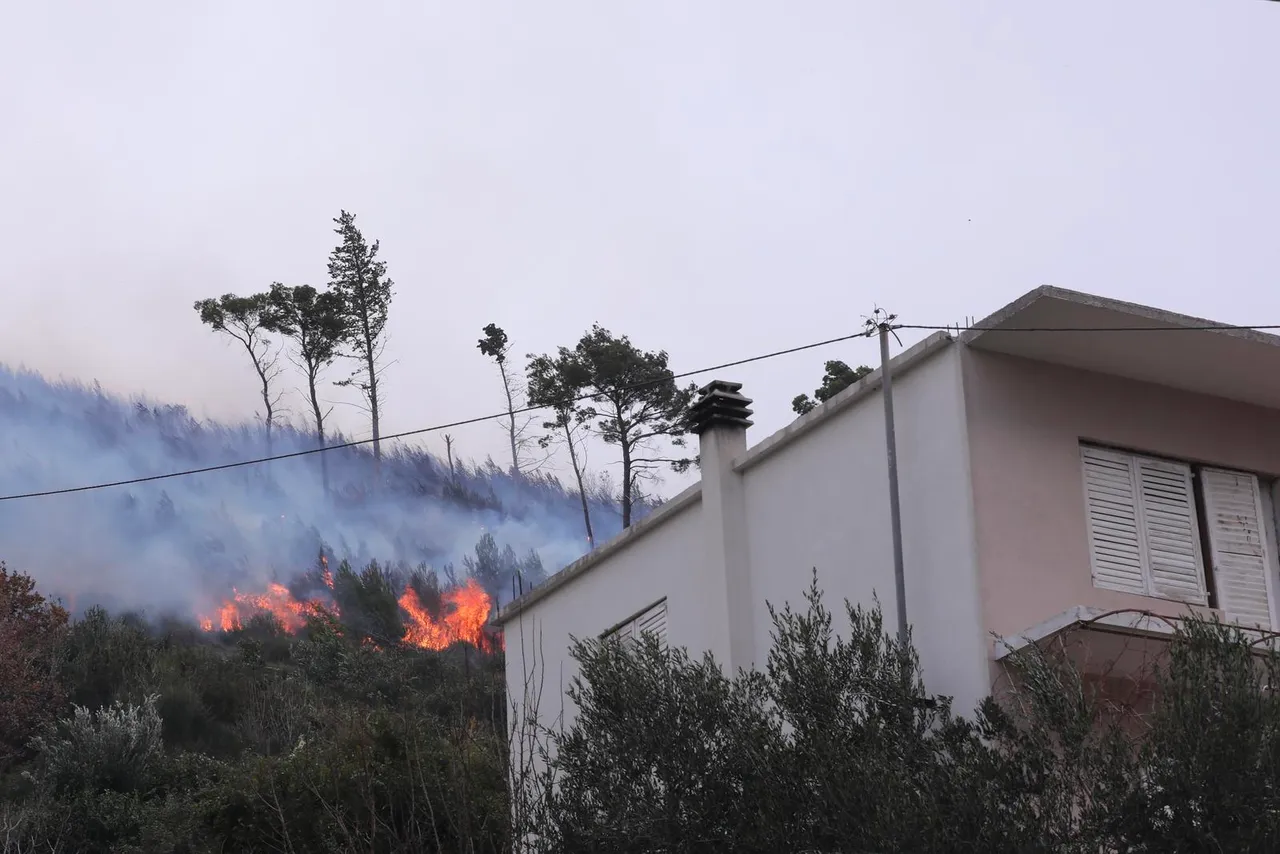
(464, 612)
(278, 601)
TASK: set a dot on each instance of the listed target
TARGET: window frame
(1268, 516)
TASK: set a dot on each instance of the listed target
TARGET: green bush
(836, 746)
(116, 747)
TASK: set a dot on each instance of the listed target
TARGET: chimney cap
(720, 404)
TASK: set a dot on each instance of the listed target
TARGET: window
(650, 621)
(1189, 533)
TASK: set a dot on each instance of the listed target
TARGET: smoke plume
(180, 544)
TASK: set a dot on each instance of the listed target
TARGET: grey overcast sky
(712, 178)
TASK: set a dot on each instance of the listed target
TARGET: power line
(420, 431)
(479, 419)
(1217, 327)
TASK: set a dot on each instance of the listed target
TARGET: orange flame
(466, 612)
(325, 575)
(465, 609)
(277, 601)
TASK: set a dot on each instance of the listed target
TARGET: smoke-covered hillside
(180, 544)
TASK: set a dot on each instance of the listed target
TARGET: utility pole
(883, 322)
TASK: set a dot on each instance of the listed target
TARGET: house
(1072, 464)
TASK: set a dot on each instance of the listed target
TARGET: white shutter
(1111, 502)
(1238, 546)
(1144, 537)
(654, 622)
(624, 632)
(1170, 530)
(651, 621)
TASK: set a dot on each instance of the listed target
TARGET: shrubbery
(172, 740)
(836, 746)
(165, 739)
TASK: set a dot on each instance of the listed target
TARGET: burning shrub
(365, 604)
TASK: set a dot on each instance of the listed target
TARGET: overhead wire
(418, 432)
(1216, 327)
(684, 375)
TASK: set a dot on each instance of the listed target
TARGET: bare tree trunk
(319, 416)
(511, 419)
(263, 369)
(582, 489)
(374, 413)
(624, 441)
(271, 415)
(448, 447)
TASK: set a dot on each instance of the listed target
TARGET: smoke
(178, 545)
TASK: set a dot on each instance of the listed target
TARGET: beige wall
(1025, 422)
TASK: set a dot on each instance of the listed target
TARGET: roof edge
(913, 356)
(909, 358)
(661, 514)
(1133, 309)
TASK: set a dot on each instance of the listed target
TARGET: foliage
(115, 747)
(260, 740)
(370, 598)
(257, 740)
(637, 401)
(837, 377)
(498, 571)
(358, 278)
(313, 321)
(1210, 768)
(32, 632)
(247, 320)
(551, 385)
(835, 745)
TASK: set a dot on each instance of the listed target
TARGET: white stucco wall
(822, 501)
(814, 497)
(664, 561)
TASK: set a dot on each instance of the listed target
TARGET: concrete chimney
(720, 417)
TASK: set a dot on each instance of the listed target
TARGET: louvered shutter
(1170, 530)
(651, 621)
(1238, 546)
(625, 632)
(1111, 502)
(654, 622)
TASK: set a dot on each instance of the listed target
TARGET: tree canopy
(551, 385)
(836, 378)
(636, 402)
(313, 320)
(247, 320)
(359, 279)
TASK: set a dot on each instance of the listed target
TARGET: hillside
(181, 545)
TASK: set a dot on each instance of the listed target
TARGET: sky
(716, 179)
